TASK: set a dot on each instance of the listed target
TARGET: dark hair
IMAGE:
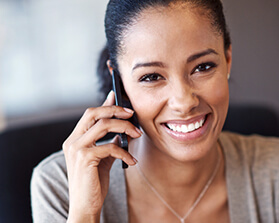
(122, 14)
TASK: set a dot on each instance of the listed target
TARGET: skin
(88, 165)
(178, 94)
(181, 92)
(180, 46)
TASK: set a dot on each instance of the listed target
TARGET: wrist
(83, 219)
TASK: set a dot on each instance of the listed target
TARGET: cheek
(146, 104)
(217, 96)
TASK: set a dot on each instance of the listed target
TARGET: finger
(92, 115)
(110, 100)
(117, 140)
(104, 126)
(111, 150)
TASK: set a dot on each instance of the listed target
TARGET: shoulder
(49, 190)
(50, 177)
(52, 165)
(254, 149)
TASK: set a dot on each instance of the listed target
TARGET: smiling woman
(181, 86)
(174, 60)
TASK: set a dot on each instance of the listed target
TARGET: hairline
(159, 7)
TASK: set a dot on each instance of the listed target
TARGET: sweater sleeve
(49, 190)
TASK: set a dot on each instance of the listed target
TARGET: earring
(229, 75)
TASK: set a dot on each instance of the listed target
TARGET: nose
(183, 98)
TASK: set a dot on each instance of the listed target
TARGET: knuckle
(89, 111)
(115, 109)
(112, 147)
(103, 122)
(81, 154)
(116, 149)
(70, 147)
(65, 145)
(129, 127)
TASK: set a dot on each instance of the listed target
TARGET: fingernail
(135, 160)
(128, 110)
(139, 131)
(109, 94)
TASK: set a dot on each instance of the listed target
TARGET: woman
(174, 58)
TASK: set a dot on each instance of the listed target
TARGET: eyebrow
(148, 64)
(201, 54)
(190, 59)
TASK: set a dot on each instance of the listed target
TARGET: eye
(204, 67)
(150, 77)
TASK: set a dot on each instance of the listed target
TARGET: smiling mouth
(183, 128)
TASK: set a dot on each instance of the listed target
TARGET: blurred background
(48, 55)
(49, 49)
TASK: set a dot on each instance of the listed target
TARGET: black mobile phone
(118, 89)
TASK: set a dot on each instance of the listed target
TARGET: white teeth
(186, 128)
(191, 127)
(178, 129)
(201, 122)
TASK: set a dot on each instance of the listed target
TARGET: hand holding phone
(87, 161)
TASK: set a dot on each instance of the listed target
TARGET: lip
(180, 136)
(188, 121)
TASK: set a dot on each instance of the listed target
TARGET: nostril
(194, 94)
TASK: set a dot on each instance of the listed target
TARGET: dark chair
(23, 148)
(252, 119)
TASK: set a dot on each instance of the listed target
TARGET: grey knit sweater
(252, 176)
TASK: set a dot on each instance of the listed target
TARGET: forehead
(161, 29)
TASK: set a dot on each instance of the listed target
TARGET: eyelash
(204, 67)
(150, 77)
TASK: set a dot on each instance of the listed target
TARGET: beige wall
(254, 26)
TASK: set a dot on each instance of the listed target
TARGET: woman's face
(174, 71)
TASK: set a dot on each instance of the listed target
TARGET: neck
(180, 177)
(179, 184)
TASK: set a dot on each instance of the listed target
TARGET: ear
(229, 58)
(109, 67)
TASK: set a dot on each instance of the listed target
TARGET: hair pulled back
(122, 14)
